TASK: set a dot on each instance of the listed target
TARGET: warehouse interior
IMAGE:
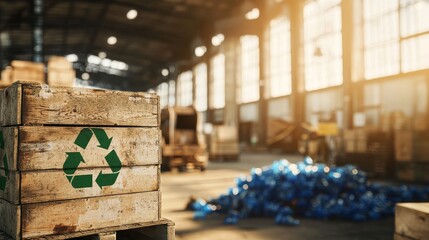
(246, 87)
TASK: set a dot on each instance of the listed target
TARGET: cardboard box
(77, 160)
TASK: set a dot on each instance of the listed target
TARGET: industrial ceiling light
(252, 14)
(72, 58)
(102, 55)
(85, 76)
(132, 14)
(200, 51)
(112, 40)
(218, 39)
(165, 72)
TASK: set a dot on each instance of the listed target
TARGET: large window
(396, 36)
(184, 89)
(249, 82)
(323, 66)
(280, 57)
(171, 93)
(201, 87)
(162, 91)
(217, 82)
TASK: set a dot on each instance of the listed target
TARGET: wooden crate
(412, 220)
(159, 230)
(76, 160)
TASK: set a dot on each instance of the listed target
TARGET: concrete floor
(178, 187)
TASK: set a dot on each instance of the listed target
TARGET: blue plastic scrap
(284, 190)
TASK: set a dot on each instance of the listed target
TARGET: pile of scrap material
(285, 190)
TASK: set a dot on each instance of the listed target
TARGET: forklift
(183, 144)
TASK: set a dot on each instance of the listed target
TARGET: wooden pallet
(159, 230)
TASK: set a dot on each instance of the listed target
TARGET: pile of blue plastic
(284, 191)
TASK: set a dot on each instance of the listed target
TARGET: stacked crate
(60, 72)
(23, 70)
(77, 160)
(224, 143)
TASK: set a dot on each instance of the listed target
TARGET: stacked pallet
(412, 221)
(60, 72)
(23, 71)
(77, 162)
(412, 155)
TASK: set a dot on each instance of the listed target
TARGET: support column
(37, 30)
(263, 105)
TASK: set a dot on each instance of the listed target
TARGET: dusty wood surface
(71, 216)
(11, 192)
(412, 220)
(10, 105)
(45, 147)
(44, 105)
(10, 219)
(159, 230)
(36, 186)
(10, 138)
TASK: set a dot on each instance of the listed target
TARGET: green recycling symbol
(74, 159)
(3, 179)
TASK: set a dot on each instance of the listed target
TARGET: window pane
(201, 87)
(280, 63)
(415, 53)
(171, 93)
(185, 89)
(249, 84)
(323, 45)
(217, 82)
(162, 91)
(382, 61)
(414, 17)
(375, 8)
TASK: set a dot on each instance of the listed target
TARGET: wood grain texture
(122, 231)
(10, 136)
(10, 105)
(412, 220)
(10, 219)
(42, 104)
(42, 147)
(37, 186)
(71, 216)
(11, 193)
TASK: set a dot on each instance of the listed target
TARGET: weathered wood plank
(36, 186)
(11, 192)
(412, 220)
(70, 216)
(42, 104)
(10, 220)
(47, 147)
(10, 149)
(11, 102)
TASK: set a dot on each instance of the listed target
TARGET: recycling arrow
(3, 179)
(74, 159)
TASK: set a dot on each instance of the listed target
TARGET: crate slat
(91, 213)
(37, 104)
(42, 147)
